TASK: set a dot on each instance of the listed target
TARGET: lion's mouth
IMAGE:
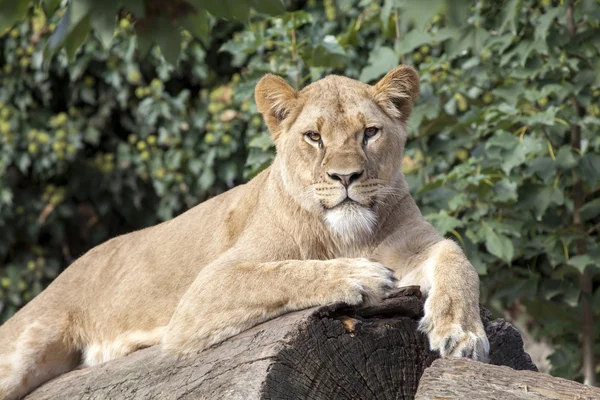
(348, 202)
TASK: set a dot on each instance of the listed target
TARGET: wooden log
(459, 378)
(332, 352)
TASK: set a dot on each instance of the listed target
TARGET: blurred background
(104, 134)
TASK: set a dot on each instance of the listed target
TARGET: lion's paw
(452, 337)
(364, 281)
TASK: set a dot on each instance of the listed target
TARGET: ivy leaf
(168, 39)
(565, 158)
(581, 262)
(590, 165)
(11, 11)
(512, 11)
(328, 53)
(498, 244)
(272, 7)
(50, 6)
(544, 168)
(77, 37)
(539, 198)
(545, 21)
(234, 9)
(590, 210)
(137, 7)
(198, 24)
(420, 12)
(104, 21)
(506, 191)
(443, 222)
(415, 39)
(262, 141)
(381, 60)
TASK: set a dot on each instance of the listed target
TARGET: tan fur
(291, 238)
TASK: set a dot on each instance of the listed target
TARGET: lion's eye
(313, 136)
(370, 132)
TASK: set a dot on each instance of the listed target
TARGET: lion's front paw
(363, 281)
(451, 331)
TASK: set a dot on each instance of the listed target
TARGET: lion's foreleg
(452, 321)
(227, 299)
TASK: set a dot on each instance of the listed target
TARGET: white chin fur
(351, 221)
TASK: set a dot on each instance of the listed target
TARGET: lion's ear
(275, 98)
(396, 91)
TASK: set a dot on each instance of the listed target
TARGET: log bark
(459, 378)
(332, 352)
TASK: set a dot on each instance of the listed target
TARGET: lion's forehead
(337, 103)
(336, 90)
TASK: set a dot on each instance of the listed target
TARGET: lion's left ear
(396, 91)
(275, 98)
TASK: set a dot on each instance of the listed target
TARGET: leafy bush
(503, 154)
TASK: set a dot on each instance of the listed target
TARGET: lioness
(331, 220)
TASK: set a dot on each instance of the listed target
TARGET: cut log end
(332, 352)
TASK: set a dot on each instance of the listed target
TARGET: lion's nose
(345, 179)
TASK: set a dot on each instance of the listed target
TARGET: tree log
(459, 378)
(331, 352)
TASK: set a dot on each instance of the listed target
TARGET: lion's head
(340, 142)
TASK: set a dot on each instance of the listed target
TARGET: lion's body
(284, 241)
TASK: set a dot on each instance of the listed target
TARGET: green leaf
(518, 156)
(443, 222)
(539, 197)
(12, 11)
(78, 11)
(590, 210)
(565, 157)
(104, 21)
(77, 37)
(545, 168)
(381, 60)
(262, 141)
(590, 166)
(328, 53)
(421, 12)
(198, 24)
(50, 6)
(414, 39)
(506, 191)
(230, 9)
(512, 11)
(498, 244)
(582, 261)
(545, 21)
(137, 7)
(272, 7)
(166, 36)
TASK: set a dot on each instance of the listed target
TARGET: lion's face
(340, 142)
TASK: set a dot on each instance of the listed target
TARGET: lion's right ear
(397, 90)
(275, 98)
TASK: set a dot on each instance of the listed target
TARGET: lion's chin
(350, 220)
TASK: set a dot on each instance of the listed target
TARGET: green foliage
(117, 140)
(156, 22)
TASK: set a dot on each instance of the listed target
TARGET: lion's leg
(101, 351)
(32, 354)
(452, 321)
(229, 297)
